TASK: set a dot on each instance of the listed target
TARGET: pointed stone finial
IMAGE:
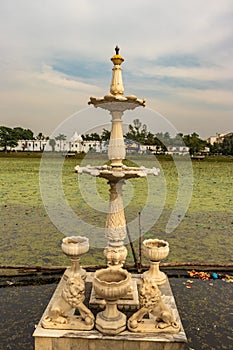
(117, 90)
(117, 49)
(117, 87)
(117, 59)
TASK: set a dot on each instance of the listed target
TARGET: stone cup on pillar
(155, 250)
(74, 247)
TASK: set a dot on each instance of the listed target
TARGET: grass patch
(29, 237)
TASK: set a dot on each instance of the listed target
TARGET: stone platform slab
(52, 339)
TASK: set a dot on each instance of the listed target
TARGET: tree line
(9, 137)
(137, 133)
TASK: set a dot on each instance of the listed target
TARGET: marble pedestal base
(53, 339)
(114, 327)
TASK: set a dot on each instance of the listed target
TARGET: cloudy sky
(55, 54)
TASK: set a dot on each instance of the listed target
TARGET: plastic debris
(214, 275)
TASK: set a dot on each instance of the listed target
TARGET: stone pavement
(205, 309)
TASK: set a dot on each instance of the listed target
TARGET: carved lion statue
(151, 302)
(72, 297)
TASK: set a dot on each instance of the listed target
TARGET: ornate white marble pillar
(116, 252)
(116, 149)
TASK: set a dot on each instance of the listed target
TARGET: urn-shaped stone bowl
(111, 284)
(155, 250)
(74, 247)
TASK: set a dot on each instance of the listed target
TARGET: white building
(30, 145)
(155, 149)
(75, 144)
(177, 150)
(218, 138)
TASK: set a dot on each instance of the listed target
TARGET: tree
(95, 136)
(23, 134)
(8, 138)
(105, 136)
(150, 139)
(167, 136)
(227, 145)
(137, 132)
(137, 124)
(195, 144)
(215, 148)
(40, 136)
(177, 140)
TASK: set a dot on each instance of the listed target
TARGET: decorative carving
(116, 102)
(115, 256)
(151, 303)
(114, 174)
(72, 297)
(115, 222)
(116, 151)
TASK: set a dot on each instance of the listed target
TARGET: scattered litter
(9, 283)
(202, 275)
(228, 278)
(214, 275)
(205, 276)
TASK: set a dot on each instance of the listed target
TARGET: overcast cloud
(178, 55)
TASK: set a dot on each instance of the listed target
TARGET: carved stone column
(115, 252)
